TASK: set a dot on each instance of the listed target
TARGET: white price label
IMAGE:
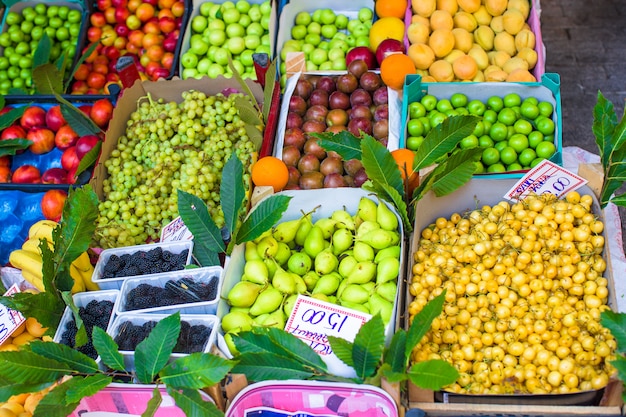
(313, 320)
(9, 319)
(546, 177)
(175, 231)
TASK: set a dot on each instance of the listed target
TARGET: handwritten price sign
(175, 231)
(546, 177)
(313, 320)
(9, 319)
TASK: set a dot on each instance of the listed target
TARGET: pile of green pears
(348, 259)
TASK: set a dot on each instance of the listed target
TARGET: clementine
(270, 171)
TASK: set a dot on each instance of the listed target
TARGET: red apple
(364, 53)
(52, 204)
(121, 13)
(101, 112)
(85, 108)
(71, 175)
(160, 73)
(69, 159)
(85, 144)
(26, 174)
(65, 137)
(42, 138)
(103, 4)
(54, 176)
(13, 132)
(387, 47)
(121, 29)
(169, 43)
(54, 118)
(33, 116)
(167, 24)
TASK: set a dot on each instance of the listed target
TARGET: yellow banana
(79, 284)
(84, 266)
(83, 262)
(29, 262)
(42, 229)
(35, 280)
(32, 245)
(87, 279)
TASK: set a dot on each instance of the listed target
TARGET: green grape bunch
(169, 146)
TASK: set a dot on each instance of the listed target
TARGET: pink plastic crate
(318, 398)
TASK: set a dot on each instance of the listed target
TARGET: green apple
(265, 39)
(266, 8)
(203, 65)
(318, 56)
(341, 21)
(215, 70)
(231, 15)
(235, 45)
(365, 14)
(228, 5)
(238, 66)
(216, 24)
(313, 38)
(245, 20)
(198, 46)
(307, 48)
(189, 60)
(221, 56)
(189, 73)
(352, 23)
(205, 8)
(339, 64)
(362, 41)
(298, 32)
(325, 66)
(310, 66)
(255, 13)
(199, 23)
(314, 27)
(252, 41)
(338, 43)
(255, 28)
(335, 54)
(361, 30)
(317, 16)
(303, 18)
(263, 49)
(217, 37)
(235, 29)
(327, 17)
(246, 58)
(265, 22)
(329, 30)
(323, 45)
(243, 6)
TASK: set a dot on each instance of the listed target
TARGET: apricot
(513, 21)
(521, 75)
(496, 7)
(441, 70)
(424, 7)
(422, 55)
(525, 38)
(441, 19)
(521, 5)
(504, 41)
(465, 68)
(463, 40)
(454, 55)
(465, 20)
(498, 58)
(515, 63)
(529, 55)
(482, 16)
(441, 41)
(450, 6)
(497, 24)
(469, 6)
(483, 36)
(495, 74)
(480, 56)
(418, 33)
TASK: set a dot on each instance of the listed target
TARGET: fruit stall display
(24, 25)
(218, 29)
(525, 282)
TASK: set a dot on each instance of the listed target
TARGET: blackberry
(141, 289)
(111, 267)
(141, 302)
(154, 255)
(95, 313)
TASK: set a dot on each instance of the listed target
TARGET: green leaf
(368, 347)
(2, 102)
(10, 388)
(619, 200)
(421, 323)
(247, 112)
(74, 359)
(87, 386)
(244, 87)
(195, 214)
(82, 59)
(392, 376)
(342, 349)
(394, 355)
(25, 367)
(268, 91)
(604, 122)
(616, 323)
(455, 172)
(268, 366)
(18, 92)
(386, 192)
(443, 138)
(42, 53)
(107, 349)
(154, 351)
(193, 405)
(8, 118)
(620, 365)
(197, 370)
(153, 403)
(12, 146)
(48, 79)
(232, 191)
(89, 159)
(279, 342)
(344, 143)
(205, 256)
(79, 121)
(81, 335)
(267, 213)
(380, 166)
(55, 404)
(255, 135)
(433, 374)
(46, 307)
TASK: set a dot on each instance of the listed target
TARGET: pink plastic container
(314, 397)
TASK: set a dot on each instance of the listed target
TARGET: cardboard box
(328, 201)
(548, 89)
(169, 90)
(195, 11)
(476, 193)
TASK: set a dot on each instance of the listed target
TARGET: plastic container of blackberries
(139, 319)
(197, 289)
(175, 248)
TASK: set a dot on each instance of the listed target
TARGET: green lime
(490, 156)
(469, 142)
(416, 110)
(476, 107)
(485, 141)
(495, 103)
(458, 100)
(415, 127)
(526, 157)
(512, 100)
(414, 142)
(534, 138)
(545, 108)
(545, 149)
(508, 155)
(507, 116)
(498, 131)
(495, 168)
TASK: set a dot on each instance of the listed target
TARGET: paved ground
(585, 44)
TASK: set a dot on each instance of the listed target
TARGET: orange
(395, 68)
(404, 158)
(270, 171)
(391, 8)
(385, 28)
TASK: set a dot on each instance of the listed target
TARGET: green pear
(346, 265)
(299, 263)
(343, 219)
(275, 319)
(380, 238)
(378, 304)
(283, 281)
(271, 265)
(310, 279)
(355, 293)
(236, 321)
(327, 225)
(320, 296)
(327, 284)
(267, 247)
(390, 252)
(387, 290)
(283, 254)
(362, 272)
(300, 284)
(289, 304)
(243, 294)
(366, 209)
(341, 241)
(387, 270)
(325, 262)
(363, 252)
(363, 308)
(303, 229)
(256, 271)
(385, 217)
(366, 227)
(268, 300)
(286, 231)
(228, 338)
(342, 286)
(260, 319)
(314, 242)
(251, 252)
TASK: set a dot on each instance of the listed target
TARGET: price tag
(313, 320)
(175, 231)
(9, 319)
(546, 177)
